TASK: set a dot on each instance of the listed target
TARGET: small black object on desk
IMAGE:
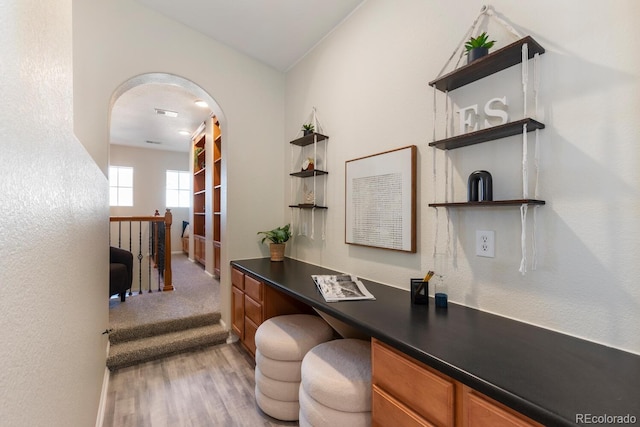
(419, 291)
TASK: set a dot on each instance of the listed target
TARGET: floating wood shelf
(489, 134)
(305, 174)
(499, 60)
(488, 204)
(309, 139)
(307, 206)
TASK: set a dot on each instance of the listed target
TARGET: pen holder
(419, 292)
(441, 300)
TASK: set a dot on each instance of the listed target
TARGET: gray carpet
(153, 325)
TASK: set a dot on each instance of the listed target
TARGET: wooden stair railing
(154, 221)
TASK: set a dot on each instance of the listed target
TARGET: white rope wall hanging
(536, 157)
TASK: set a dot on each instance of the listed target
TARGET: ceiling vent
(154, 142)
(168, 113)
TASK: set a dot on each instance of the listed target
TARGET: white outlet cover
(486, 243)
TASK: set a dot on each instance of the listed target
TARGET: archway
(172, 83)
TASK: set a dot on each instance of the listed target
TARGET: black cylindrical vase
(476, 53)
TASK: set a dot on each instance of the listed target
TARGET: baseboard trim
(103, 396)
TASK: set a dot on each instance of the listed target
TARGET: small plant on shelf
(278, 237)
(308, 128)
(477, 47)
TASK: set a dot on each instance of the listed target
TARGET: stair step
(130, 353)
(142, 330)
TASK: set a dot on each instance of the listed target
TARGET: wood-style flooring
(213, 386)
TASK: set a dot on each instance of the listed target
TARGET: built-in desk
(547, 376)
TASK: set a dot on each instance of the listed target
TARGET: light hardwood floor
(213, 386)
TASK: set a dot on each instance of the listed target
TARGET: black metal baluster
(130, 237)
(140, 258)
(150, 251)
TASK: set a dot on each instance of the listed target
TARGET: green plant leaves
(480, 41)
(277, 235)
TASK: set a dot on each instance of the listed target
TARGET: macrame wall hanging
(309, 193)
(486, 13)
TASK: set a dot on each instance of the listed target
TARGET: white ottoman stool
(281, 344)
(336, 384)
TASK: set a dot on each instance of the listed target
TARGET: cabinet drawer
(253, 288)
(480, 411)
(237, 278)
(429, 394)
(250, 329)
(387, 411)
(237, 317)
(253, 310)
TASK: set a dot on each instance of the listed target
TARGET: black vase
(476, 53)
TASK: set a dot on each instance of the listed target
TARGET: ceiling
(276, 32)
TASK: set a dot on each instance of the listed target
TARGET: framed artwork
(380, 200)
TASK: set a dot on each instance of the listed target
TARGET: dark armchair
(120, 271)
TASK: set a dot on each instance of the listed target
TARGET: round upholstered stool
(335, 388)
(281, 344)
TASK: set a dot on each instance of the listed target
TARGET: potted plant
(278, 237)
(478, 47)
(308, 128)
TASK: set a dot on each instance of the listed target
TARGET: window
(178, 189)
(120, 186)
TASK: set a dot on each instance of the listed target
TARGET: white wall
(53, 237)
(117, 40)
(369, 82)
(149, 187)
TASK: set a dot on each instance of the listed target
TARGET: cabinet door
(480, 411)
(252, 310)
(387, 411)
(420, 388)
(237, 278)
(237, 317)
(253, 288)
(249, 341)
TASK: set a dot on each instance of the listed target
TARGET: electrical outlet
(486, 243)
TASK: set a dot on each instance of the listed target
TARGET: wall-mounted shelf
(306, 174)
(307, 206)
(488, 204)
(499, 60)
(309, 139)
(489, 134)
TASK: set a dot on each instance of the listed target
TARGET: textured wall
(369, 82)
(53, 234)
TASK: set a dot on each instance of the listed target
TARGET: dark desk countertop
(547, 376)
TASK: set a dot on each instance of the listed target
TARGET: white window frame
(119, 190)
(183, 190)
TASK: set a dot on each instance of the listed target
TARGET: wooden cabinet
(417, 388)
(409, 393)
(237, 303)
(253, 302)
(481, 411)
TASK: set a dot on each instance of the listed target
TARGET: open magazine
(341, 287)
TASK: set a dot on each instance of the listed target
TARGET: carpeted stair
(130, 345)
